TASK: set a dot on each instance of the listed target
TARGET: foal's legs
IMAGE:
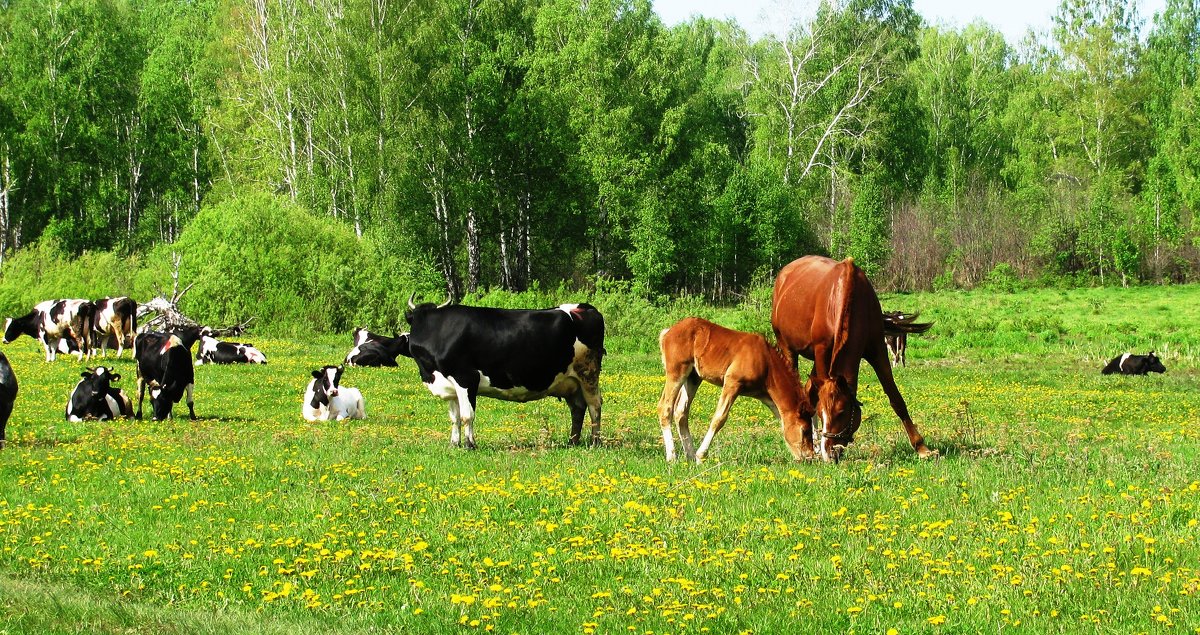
(729, 393)
(683, 407)
(674, 405)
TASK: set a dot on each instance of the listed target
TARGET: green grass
(1064, 501)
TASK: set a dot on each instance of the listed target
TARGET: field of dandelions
(1062, 500)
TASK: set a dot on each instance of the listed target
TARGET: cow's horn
(410, 300)
(444, 304)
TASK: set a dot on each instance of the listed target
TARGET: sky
(1012, 17)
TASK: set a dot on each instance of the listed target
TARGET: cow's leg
(578, 407)
(468, 418)
(878, 360)
(729, 393)
(141, 387)
(190, 403)
(594, 400)
(455, 422)
(50, 351)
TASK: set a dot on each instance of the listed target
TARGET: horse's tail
(895, 323)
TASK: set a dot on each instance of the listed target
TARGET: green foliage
(258, 255)
(869, 228)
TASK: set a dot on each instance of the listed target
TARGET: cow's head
(1153, 364)
(841, 414)
(414, 309)
(14, 327)
(98, 381)
(325, 384)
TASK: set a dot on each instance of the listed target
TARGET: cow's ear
(85, 374)
(116, 376)
(316, 374)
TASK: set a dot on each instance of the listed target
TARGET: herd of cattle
(464, 352)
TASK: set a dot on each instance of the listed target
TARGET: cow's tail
(894, 324)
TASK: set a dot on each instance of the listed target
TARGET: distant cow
(1130, 364)
(52, 320)
(896, 327)
(115, 322)
(8, 394)
(325, 398)
(515, 355)
(94, 397)
(371, 349)
(212, 351)
(164, 365)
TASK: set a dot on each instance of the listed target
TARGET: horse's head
(841, 414)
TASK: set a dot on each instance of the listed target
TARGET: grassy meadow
(1063, 500)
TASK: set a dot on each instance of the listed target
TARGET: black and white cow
(94, 397)
(164, 365)
(212, 351)
(1129, 364)
(115, 323)
(463, 352)
(52, 320)
(372, 349)
(8, 394)
(326, 399)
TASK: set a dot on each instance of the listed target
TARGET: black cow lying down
(373, 349)
(94, 397)
(212, 351)
(1129, 364)
(463, 352)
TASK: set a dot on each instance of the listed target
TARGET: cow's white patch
(443, 386)
(253, 355)
(352, 354)
(1124, 358)
(568, 308)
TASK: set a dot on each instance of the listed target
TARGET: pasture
(1063, 500)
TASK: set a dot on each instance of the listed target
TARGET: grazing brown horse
(741, 364)
(828, 312)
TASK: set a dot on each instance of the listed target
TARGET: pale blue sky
(1011, 17)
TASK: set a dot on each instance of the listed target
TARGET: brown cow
(828, 312)
(742, 364)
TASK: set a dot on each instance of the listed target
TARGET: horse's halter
(846, 436)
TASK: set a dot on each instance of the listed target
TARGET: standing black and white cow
(8, 394)
(326, 399)
(164, 364)
(372, 349)
(115, 323)
(212, 351)
(463, 352)
(94, 397)
(1130, 364)
(52, 320)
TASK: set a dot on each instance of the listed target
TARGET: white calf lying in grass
(324, 399)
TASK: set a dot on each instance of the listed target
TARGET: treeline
(506, 143)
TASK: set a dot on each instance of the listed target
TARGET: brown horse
(828, 312)
(741, 364)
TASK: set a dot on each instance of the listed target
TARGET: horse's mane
(842, 297)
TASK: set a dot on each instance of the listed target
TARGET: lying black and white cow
(52, 320)
(1129, 364)
(372, 349)
(115, 323)
(164, 365)
(463, 352)
(8, 394)
(212, 351)
(94, 397)
(325, 398)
